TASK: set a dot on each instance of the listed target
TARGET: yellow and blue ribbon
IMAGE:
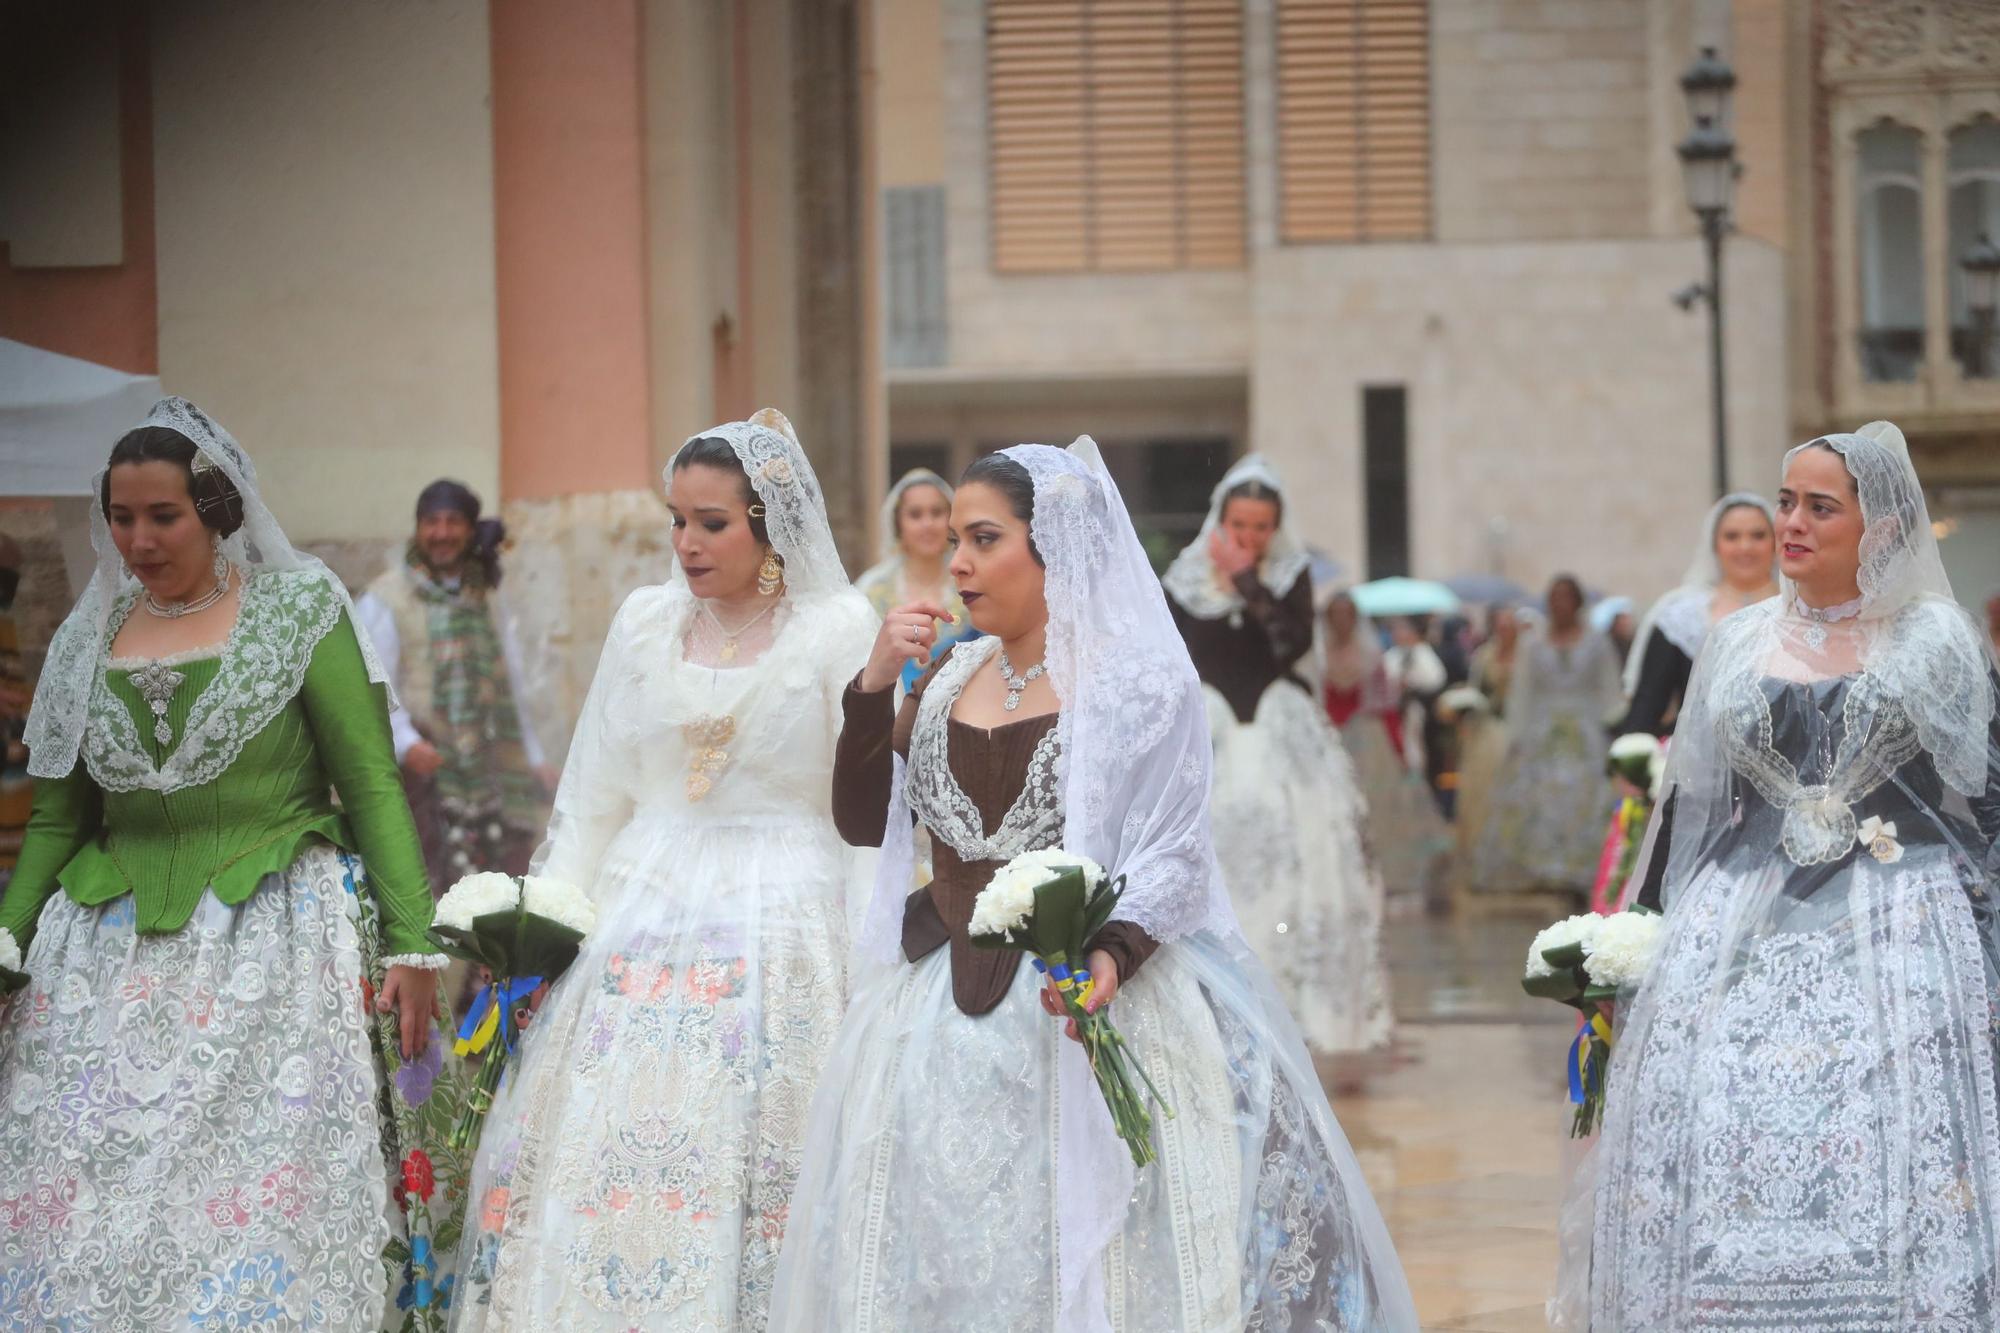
(1579, 1053)
(1074, 983)
(483, 1019)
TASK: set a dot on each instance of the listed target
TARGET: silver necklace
(1015, 684)
(175, 610)
(1818, 618)
(729, 637)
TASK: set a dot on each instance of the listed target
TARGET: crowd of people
(785, 1085)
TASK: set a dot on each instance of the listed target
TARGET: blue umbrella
(1488, 590)
(1404, 597)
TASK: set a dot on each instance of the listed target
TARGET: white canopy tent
(58, 418)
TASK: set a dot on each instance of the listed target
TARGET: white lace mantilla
(1682, 617)
(280, 619)
(1033, 822)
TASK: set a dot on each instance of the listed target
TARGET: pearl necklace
(175, 610)
(1015, 684)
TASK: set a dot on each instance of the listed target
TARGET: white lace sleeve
(593, 800)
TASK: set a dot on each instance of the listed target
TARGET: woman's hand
(412, 993)
(525, 1015)
(906, 636)
(1229, 556)
(1104, 978)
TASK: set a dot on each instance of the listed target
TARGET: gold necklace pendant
(728, 653)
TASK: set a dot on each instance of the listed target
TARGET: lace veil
(1191, 577)
(888, 549)
(1683, 614)
(76, 654)
(794, 505)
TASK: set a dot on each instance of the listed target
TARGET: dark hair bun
(217, 502)
(716, 452)
(1009, 478)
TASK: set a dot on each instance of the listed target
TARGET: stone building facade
(1488, 377)
(532, 246)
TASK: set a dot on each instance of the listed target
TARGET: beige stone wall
(1541, 120)
(325, 229)
(910, 94)
(1550, 387)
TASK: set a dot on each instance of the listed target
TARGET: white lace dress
(638, 1166)
(1289, 831)
(1803, 1126)
(932, 1200)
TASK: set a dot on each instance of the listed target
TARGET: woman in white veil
(638, 1165)
(1802, 1128)
(1734, 566)
(915, 528)
(962, 1171)
(1289, 822)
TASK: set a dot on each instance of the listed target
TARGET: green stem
(480, 1099)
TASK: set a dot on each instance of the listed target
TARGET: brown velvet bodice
(991, 767)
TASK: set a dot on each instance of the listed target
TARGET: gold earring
(770, 574)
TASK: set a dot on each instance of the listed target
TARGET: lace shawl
(1191, 577)
(281, 619)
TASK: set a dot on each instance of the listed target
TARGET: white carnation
(1622, 949)
(1008, 899)
(476, 896)
(1570, 930)
(10, 951)
(1463, 699)
(1637, 745)
(559, 901)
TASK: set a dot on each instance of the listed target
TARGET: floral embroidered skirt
(212, 1128)
(637, 1168)
(1803, 1131)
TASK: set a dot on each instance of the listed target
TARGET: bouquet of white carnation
(524, 934)
(12, 978)
(1461, 701)
(1051, 904)
(1584, 962)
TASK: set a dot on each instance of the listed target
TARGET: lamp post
(1982, 295)
(1709, 170)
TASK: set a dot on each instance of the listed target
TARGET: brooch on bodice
(707, 741)
(156, 683)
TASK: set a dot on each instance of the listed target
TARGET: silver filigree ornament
(157, 683)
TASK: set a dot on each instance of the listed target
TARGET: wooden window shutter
(1116, 134)
(1354, 120)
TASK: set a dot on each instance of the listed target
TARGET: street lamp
(1709, 170)
(1982, 295)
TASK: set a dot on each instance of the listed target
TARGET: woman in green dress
(220, 1081)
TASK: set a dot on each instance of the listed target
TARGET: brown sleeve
(1128, 945)
(872, 729)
